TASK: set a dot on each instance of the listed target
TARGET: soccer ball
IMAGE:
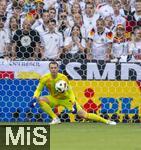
(61, 86)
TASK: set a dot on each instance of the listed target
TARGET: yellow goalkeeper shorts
(65, 103)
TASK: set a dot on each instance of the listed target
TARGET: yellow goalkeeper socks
(95, 118)
(45, 106)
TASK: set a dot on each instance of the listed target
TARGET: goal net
(98, 47)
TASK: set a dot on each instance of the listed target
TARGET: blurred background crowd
(108, 30)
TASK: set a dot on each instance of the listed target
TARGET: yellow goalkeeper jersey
(49, 82)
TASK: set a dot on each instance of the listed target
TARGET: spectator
(52, 13)
(91, 2)
(128, 13)
(74, 45)
(132, 15)
(5, 41)
(132, 3)
(39, 7)
(109, 24)
(81, 4)
(78, 20)
(3, 13)
(49, 3)
(104, 8)
(42, 23)
(26, 43)
(28, 6)
(90, 17)
(137, 15)
(13, 26)
(118, 19)
(35, 12)
(67, 13)
(120, 45)
(17, 10)
(64, 5)
(99, 43)
(52, 41)
(75, 8)
(135, 45)
(63, 24)
(18, 13)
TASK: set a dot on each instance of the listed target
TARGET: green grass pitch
(95, 136)
(92, 136)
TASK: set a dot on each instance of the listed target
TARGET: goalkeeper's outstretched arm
(38, 89)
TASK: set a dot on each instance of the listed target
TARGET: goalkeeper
(66, 99)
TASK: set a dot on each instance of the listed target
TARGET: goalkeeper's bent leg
(95, 117)
(45, 106)
(82, 113)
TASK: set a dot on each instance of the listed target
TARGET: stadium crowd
(107, 30)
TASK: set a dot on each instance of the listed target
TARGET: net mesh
(98, 46)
